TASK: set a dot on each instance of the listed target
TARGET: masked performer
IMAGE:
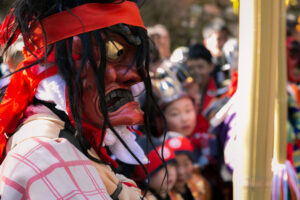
(81, 58)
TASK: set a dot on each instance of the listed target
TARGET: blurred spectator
(190, 184)
(181, 116)
(215, 36)
(180, 54)
(180, 112)
(230, 53)
(193, 90)
(160, 36)
(293, 27)
(200, 65)
(293, 65)
(293, 50)
(222, 95)
(159, 184)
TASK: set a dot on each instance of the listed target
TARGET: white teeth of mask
(117, 148)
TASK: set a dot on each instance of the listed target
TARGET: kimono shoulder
(39, 167)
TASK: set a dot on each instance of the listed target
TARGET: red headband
(78, 20)
(85, 18)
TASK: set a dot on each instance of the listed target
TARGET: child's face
(184, 170)
(156, 181)
(181, 116)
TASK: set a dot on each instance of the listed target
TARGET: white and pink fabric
(38, 163)
(27, 177)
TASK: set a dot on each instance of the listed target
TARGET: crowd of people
(191, 85)
(67, 113)
(194, 87)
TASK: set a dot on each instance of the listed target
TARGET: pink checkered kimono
(39, 165)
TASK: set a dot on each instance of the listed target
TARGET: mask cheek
(91, 101)
(87, 86)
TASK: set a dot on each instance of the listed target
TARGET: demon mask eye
(114, 50)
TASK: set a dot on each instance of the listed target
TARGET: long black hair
(27, 12)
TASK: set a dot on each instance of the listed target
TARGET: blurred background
(185, 19)
(194, 53)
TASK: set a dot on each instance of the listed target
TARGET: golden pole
(280, 137)
(258, 59)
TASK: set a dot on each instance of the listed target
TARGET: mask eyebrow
(126, 33)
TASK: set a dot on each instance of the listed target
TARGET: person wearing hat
(189, 184)
(161, 170)
(70, 99)
(180, 111)
(181, 117)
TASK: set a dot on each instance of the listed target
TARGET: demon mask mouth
(117, 98)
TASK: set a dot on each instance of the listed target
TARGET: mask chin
(125, 111)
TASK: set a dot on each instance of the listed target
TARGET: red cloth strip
(85, 18)
(22, 85)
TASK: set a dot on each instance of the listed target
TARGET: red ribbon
(78, 20)
(18, 96)
(7, 29)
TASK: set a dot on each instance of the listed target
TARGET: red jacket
(209, 94)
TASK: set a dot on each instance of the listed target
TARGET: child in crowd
(181, 117)
(180, 113)
(189, 184)
(161, 181)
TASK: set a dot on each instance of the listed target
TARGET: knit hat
(155, 160)
(181, 145)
